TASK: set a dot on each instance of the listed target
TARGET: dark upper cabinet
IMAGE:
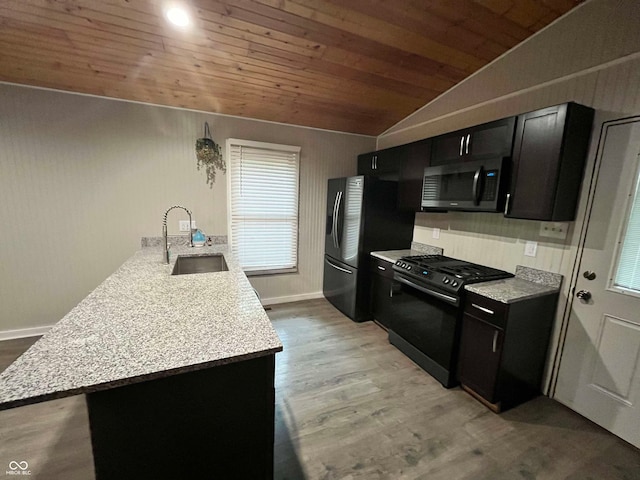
(382, 163)
(417, 157)
(549, 155)
(489, 140)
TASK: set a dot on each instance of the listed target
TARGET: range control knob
(409, 267)
(445, 280)
(454, 284)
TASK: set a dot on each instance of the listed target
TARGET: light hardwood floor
(351, 406)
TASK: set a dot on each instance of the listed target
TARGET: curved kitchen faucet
(167, 245)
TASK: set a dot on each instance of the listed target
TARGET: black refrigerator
(362, 217)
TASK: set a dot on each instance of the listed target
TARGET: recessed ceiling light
(178, 16)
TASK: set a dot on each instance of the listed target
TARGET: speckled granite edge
(173, 325)
(539, 276)
(510, 290)
(425, 249)
(416, 249)
(181, 240)
(133, 380)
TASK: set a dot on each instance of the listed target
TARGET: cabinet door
(448, 148)
(535, 163)
(366, 163)
(382, 163)
(548, 162)
(412, 175)
(381, 285)
(381, 293)
(480, 351)
(489, 140)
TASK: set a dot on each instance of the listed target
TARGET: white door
(599, 375)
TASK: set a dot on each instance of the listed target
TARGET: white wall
(82, 179)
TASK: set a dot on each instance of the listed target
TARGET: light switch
(435, 233)
(530, 249)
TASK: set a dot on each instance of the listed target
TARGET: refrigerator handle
(333, 220)
(338, 219)
(339, 268)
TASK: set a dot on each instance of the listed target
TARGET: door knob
(584, 295)
(589, 275)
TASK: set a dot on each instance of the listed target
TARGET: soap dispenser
(199, 238)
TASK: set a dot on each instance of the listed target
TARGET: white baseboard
(291, 298)
(23, 332)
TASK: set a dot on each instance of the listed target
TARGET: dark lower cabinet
(549, 155)
(381, 291)
(217, 422)
(480, 358)
(503, 348)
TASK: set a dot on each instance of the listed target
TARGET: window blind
(628, 271)
(263, 181)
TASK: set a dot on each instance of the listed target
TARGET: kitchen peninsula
(178, 371)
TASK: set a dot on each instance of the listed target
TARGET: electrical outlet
(183, 225)
(530, 249)
(435, 233)
(554, 230)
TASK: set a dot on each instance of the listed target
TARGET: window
(263, 205)
(628, 271)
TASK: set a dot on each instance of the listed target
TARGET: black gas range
(445, 273)
(427, 301)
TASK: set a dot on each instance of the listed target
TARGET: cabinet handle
(391, 291)
(506, 204)
(381, 268)
(495, 341)
(461, 144)
(486, 310)
(468, 142)
(376, 162)
(372, 162)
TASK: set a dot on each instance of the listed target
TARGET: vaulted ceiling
(350, 65)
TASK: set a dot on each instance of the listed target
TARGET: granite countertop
(143, 323)
(528, 283)
(416, 249)
(393, 255)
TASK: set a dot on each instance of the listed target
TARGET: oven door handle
(441, 296)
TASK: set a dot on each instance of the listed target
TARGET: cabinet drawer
(483, 308)
(381, 267)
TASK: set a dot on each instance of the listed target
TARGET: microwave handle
(476, 186)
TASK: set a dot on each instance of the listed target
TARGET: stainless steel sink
(186, 265)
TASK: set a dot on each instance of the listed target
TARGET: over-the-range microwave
(470, 186)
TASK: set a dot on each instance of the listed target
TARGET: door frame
(580, 233)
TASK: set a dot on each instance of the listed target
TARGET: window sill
(260, 273)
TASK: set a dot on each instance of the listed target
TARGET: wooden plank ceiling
(349, 65)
